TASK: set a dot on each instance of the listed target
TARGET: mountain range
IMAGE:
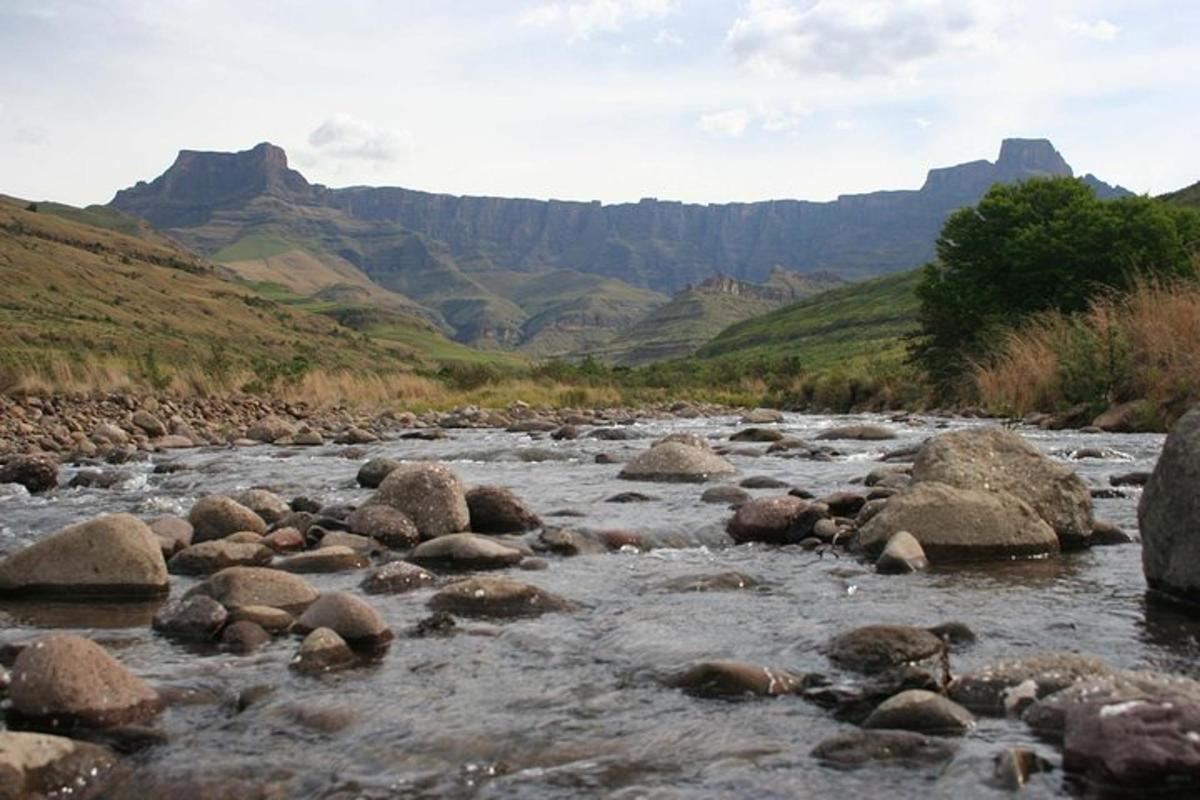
(553, 278)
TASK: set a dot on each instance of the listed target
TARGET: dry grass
(1141, 346)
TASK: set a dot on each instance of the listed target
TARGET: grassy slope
(1189, 196)
(859, 322)
(78, 292)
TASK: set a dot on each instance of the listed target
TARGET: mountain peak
(1028, 157)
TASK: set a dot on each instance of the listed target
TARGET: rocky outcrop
(1169, 514)
(999, 460)
(114, 555)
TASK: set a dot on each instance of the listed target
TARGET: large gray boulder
(960, 524)
(998, 460)
(113, 555)
(429, 494)
(676, 462)
(1169, 514)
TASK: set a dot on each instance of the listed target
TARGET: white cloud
(771, 119)
(923, 123)
(1101, 30)
(855, 38)
(344, 136)
(582, 19)
(726, 123)
(668, 37)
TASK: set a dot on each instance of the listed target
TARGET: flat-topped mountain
(479, 263)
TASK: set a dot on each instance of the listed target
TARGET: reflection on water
(573, 704)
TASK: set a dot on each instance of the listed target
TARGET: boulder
(384, 524)
(902, 553)
(859, 748)
(37, 473)
(174, 533)
(737, 679)
(196, 617)
(217, 516)
(987, 689)
(284, 540)
(244, 636)
(728, 495)
(322, 651)
(257, 586)
(349, 617)
(356, 435)
(1141, 746)
(1048, 716)
(998, 460)
(36, 765)
(690, 439)
(113, 555)
(335, 558)
(757, 435)
(763, 482)
(954, 524)
(465, 551)
(267, 505)
(496, 597)
(921, 711)
(271, 620)
(62, 682)
(877, 648)
(213, 556)
(495, 509)
(1013, 767)
(151, 425)
(270, 429)
(773, 520)
(865, 433)
(566, 542)
(372, 473)
(396, 578)
(762, 416)
(675, 462)
(429, 494)
(1169, 514)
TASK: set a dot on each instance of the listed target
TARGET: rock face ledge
(114, 555)
(1169, 514)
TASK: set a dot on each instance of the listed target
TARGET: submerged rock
(718, 582)
(322, 651)
(348, 616)
(921, 711)
(197, 617)
(1169, 514)
(676, 462)
(774, 520)
(985, 690)
(113, 555)
(397, 577)
(465, 551)
(734, 679)
(860, 748)
(875, 648)
(496, 597)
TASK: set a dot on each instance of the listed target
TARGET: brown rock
(35, 765)
(773, 520)
(216, 516)
(429, 494)
(495, 509)
(397, 577)
(386, 525)
(465, 551)
(322, 651)
(349, 617)
(496, 597)
(213, 556)
(337, 558)
(258, 586)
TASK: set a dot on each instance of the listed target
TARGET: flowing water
(571, 705)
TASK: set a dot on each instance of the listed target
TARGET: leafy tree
(1035, 246)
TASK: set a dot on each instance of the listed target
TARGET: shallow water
(573, 704)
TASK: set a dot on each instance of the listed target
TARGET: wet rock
(998, 460)
(35, 765)
(429, 494)
(675, 462)
(217, 516)
(267, 505)
(844, 504)
(737, 679)
(762, 416)
(565, 433)
(62, 682)
(860, 748)
(1130, 479)
(565, 542)
(257, 586)
(336, 558)
(956, 633)
(284, 540)
(362, 545)
(270, 429)
(613, 434)
(718, 582)
(113, 555)
(213, 556)
(690, 439)
(397, 577)
(306, 504)
(607, 458)
(757, 435)
(465, 551)
(620, 539)
(1048, 716)
(372, 473)
(763, 482)
(788, 443)
(96, 479)
(903, 553)
(37, 473)
(1108, 534)
(495, 509)
(630, 497)
(983, 690)
(875, 648)
(437, 624)
(533, 564)
(773, 520)
(865, 433)
(384, 524)
(307, 437)
(322, 651)
(1141, 746)
(271, 620)
(960, 524)
(921, 711)
(244, 636)
(349, 617)
(174, 533)
(725, 494)
(355, 435)
(496, 597)
(196, 617)
(1013, 767)
(1169, 514)
(425, 435)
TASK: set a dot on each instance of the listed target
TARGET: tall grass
(1144, 345)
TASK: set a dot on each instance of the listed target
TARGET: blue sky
(615, 100)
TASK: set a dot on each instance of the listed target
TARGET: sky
(615, 100)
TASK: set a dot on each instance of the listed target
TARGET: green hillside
(1189, 196)
(862, 321)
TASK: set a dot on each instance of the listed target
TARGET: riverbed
(574, 704)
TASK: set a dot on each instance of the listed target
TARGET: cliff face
(660, 245)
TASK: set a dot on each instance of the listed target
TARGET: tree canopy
(1040, 245)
